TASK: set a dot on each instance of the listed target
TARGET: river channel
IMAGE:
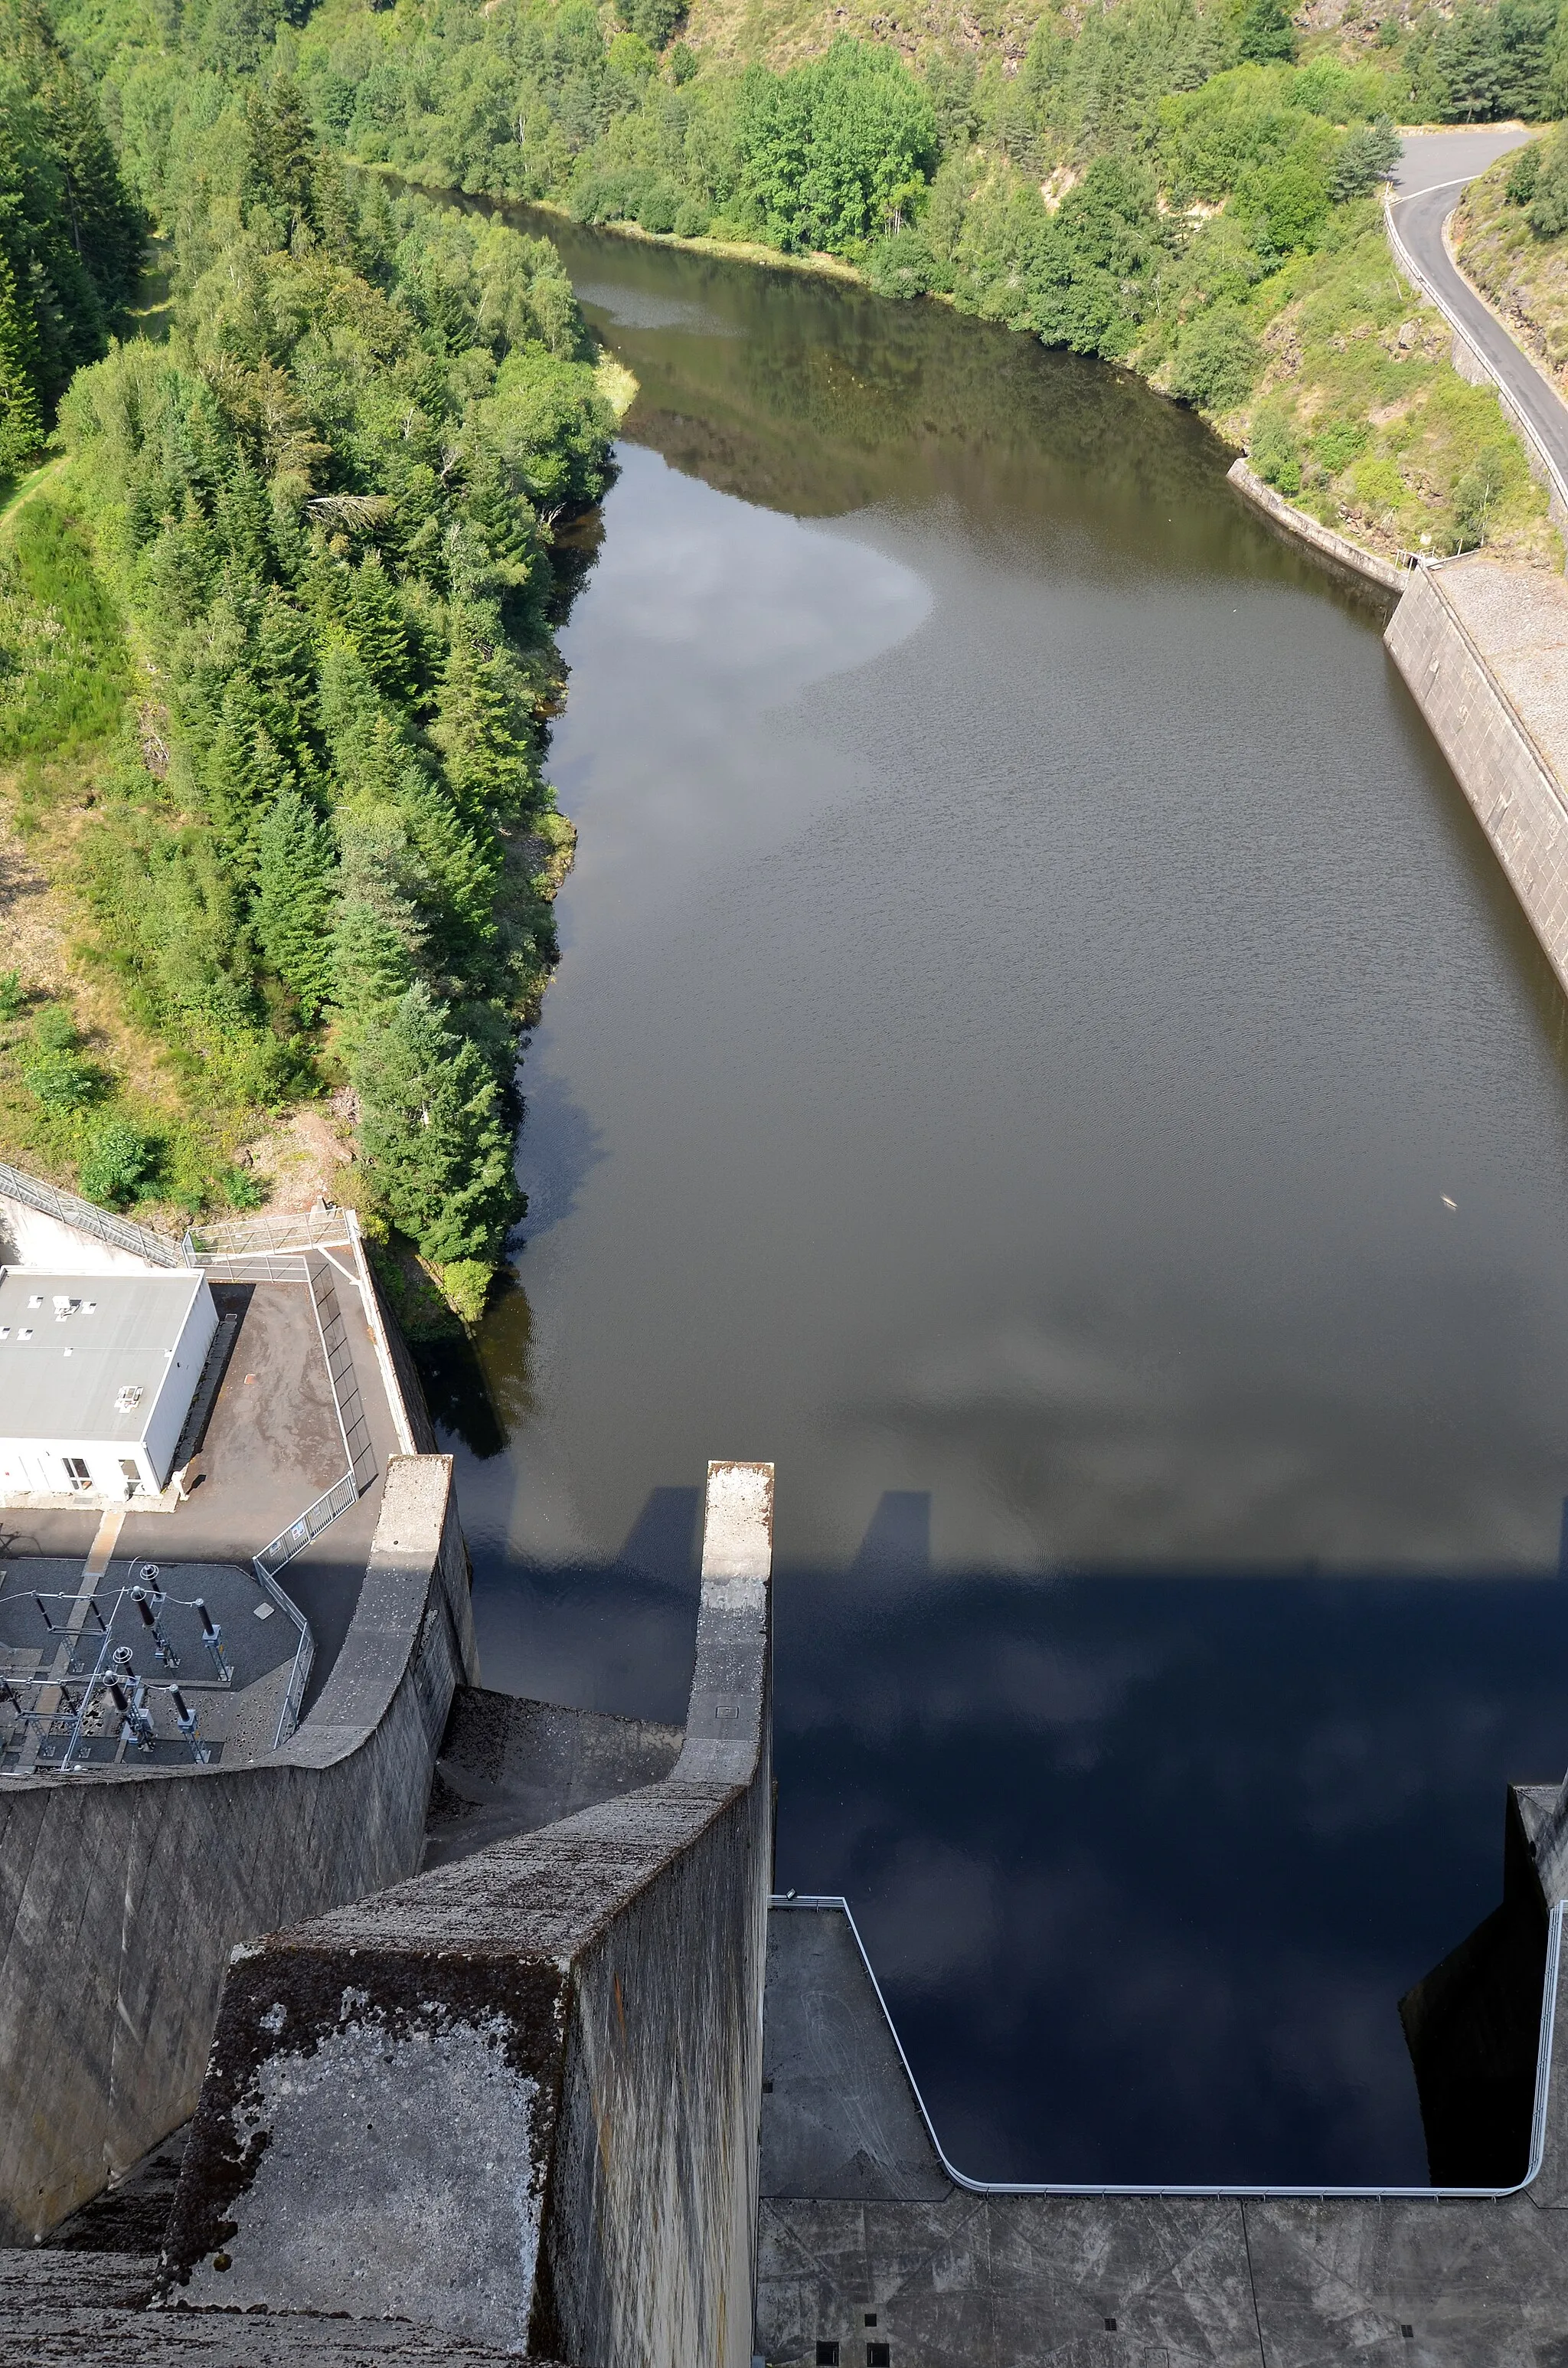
(1043, 1052)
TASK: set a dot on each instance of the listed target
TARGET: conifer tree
(478, 729)
(371, 964)
(433, 1134)
(296, 885)
(376, 622)
(21, 417)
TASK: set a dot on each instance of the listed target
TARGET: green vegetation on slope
(312, 528)
(70, 236)
(1157, 184)
(1511, 235)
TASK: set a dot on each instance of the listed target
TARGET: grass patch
(64, 670)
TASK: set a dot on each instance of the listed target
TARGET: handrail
(817, 1901)
(85, 1217)
(242, 1236)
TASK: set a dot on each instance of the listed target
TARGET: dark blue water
(1042, 1051)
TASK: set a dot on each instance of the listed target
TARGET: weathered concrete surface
(1485, 650)
(74, 2310)
(576, 2015)
(849, 2233)
(508, 1767)
(122, 1896)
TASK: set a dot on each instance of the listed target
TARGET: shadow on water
(1144, 1863)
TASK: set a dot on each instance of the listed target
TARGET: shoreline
(1340, 551)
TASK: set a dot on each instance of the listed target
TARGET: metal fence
(305, 1647)
(351, 1417)
(1512, 409)
(227, 1237)
(280, 1550)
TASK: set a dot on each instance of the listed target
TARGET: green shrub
(659, 208)
(1266, 33)
(1476, 496)
(652, 20)
(1341, 441)
(693, 221)
(1274, 452)
(1546, 210)
(465, 1284)
(63, 661)
(1523, 175)
(241, 1190)
(11, 993)
(905, 266)
(1366, 156)
(1217, 360)
(121, 1165)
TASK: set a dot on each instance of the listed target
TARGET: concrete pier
(515, 2099)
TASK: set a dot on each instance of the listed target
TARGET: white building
(96, 1376)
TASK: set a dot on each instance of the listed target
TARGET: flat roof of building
(87, 1355)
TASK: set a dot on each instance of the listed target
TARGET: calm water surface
(1029, 984)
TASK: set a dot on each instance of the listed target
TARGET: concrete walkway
(1432, 173)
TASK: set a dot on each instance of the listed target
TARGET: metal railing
(82, 1217)
(815, 1902)
(280, 1550)
(305, 1645)
(226, 1237)
(333, 1332)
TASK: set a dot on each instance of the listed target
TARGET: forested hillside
(275, 648)
(288, 608)
(1185, 185)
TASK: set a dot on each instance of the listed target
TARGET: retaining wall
(1503, 773)
(122, 1893)
(1302, 528)
(516, 2101)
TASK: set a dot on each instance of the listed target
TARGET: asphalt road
(1432, 171)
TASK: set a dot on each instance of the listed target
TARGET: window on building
(130, 1473)
(877, 2355)
(76, 1472)
(827, 2355)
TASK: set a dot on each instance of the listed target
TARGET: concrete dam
(456, 2026)
(352, 2010)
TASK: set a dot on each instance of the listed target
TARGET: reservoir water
(1043, 1052)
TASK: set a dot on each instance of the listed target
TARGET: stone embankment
(1485, 650)
(1322, 539)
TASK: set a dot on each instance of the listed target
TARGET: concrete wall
(122, 1893)
(507, 1767)
(516, 2100)
(31, 1238)
(1503, 774)
(1336, 548)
